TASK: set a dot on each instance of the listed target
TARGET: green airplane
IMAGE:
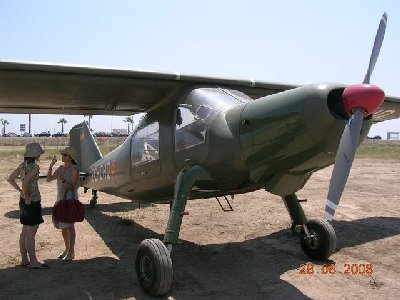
(206, 137)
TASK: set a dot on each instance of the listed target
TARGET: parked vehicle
(59, 134)
(376, 137)
(26, 134)
(101, 134)
(11, 134)
(116, 134)
(44, 133)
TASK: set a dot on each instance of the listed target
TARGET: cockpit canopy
(197, 109)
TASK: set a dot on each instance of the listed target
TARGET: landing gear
(153, 267)
(320, 243)
(93, 201)
(317, 236)
(153, 261)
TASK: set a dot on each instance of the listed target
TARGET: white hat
(33, 150)
(70, 151)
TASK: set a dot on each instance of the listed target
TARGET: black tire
(323, 243)
(153, 267)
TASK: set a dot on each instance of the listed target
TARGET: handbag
(69, 211)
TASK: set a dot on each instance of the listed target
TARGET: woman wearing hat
(29, 204)
(67, 176)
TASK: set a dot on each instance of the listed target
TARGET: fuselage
(274, 142)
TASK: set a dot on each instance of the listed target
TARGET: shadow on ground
(216, 271)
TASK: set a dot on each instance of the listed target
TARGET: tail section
(87, 151)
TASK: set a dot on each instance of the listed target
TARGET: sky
(295, 42)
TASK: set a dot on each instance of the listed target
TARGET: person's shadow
(215, 271)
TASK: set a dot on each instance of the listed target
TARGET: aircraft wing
(389, 110)
(27, 87)
(65, 89)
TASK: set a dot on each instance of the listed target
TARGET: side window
(190, 126)
(145, 144)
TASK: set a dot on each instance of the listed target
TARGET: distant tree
(62, 121)
(4, 123)
(89, 118)
(129, 120)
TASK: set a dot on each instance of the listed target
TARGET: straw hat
(33, 150)
(70, 151)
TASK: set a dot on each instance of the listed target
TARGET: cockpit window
(196, 111)
(203, 112)
(190, 131)
(145, 146)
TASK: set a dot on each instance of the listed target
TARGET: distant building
(120, 131)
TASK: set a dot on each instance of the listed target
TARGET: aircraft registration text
(103, 171)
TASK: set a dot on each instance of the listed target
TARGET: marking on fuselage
(103, 171)
(112, 170)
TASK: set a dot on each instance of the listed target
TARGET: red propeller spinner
(368, 97)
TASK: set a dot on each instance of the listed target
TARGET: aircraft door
(145, 158)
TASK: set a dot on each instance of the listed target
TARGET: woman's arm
(11, 180)
(50, 175)
(25, 184)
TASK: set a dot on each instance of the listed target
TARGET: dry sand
(245, 254)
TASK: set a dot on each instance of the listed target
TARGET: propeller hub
(364, 96)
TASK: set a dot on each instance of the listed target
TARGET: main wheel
(322, 241)
(153, 267)
(93, 203)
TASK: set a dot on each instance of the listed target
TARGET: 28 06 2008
(333, 269)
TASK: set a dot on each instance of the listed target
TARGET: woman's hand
(28, 199)
(53, 161)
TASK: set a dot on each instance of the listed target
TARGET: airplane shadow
(214, 271)
(115, 207)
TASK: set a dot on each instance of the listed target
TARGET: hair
(30, 160)
(73, 161)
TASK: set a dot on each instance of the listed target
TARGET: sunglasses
(65, 154)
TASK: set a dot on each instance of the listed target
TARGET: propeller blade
(380, 34)
(359, 101)
(344, 160)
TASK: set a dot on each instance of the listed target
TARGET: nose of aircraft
(365, 96)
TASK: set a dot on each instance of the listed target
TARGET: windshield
(196, 111)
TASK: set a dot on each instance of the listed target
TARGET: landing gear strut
(317, 236)
(93, 201)
(153, 258)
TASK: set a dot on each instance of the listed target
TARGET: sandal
(22, 265)
(62, 254)
(41, 266)
(68, 257)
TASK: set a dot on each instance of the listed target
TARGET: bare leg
(30, 245)
(22, 246)
(65, 234)
(72, 237)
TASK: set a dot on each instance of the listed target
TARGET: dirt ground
(245, 254)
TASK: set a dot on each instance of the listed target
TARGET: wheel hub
(313, 240)
(146, 268)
